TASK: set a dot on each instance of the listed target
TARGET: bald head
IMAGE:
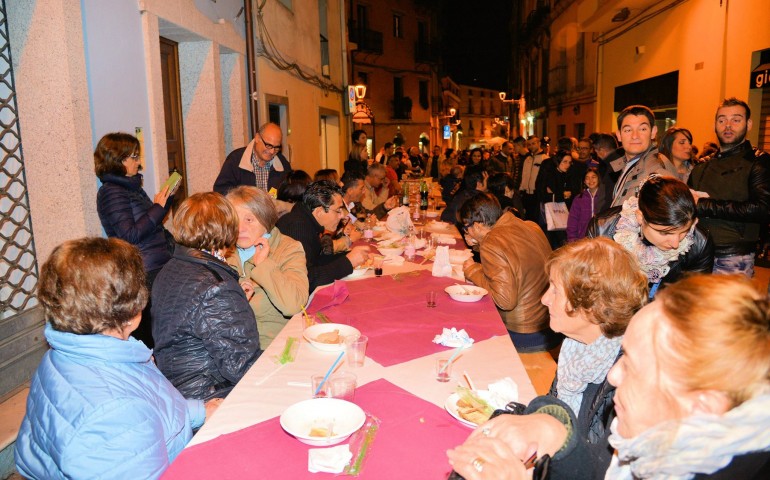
(269, 139)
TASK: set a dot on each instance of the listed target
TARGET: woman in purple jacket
(591, 201)
(126, 212)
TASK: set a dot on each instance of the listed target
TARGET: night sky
(476, 41)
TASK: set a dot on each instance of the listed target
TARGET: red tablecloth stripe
(411, 443)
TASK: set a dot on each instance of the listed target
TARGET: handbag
(556, 215)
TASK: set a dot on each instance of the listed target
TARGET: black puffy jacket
(699, 259)
(205, 333)
(126, 212)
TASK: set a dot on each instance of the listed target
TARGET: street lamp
(512, 104)
(363, 113)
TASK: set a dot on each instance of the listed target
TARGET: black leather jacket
(738, 184)
(205, 332)
(700, 257)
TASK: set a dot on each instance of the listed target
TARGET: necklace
(653, 260)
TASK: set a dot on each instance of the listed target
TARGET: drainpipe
(345, 76)
(251, 69)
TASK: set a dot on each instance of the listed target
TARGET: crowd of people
(150, 329)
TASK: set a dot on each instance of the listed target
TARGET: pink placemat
(381, 308)
(411, 443)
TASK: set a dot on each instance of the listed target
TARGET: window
(580, 54)
(470, 106)
(423, 85)
(363, 77)
(561, 131)
(470, 92)
(397, 26)
(580, 130)
(398, 87)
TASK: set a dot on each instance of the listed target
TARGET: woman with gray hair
(271, 266)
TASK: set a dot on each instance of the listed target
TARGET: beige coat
(281, 284)
(512, 269)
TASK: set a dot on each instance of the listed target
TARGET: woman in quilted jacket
(98, 406)
(126, 212)
(206, 338)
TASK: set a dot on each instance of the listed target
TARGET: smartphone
(173, 183)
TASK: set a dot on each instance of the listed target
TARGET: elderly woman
(660, 229)
(205, 334)
(271, 266)
(126, 212)
(97, 403)
(683, 408)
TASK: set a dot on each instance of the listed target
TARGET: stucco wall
(690, 34)
(50, 71)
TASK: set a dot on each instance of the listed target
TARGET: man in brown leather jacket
(513, 255)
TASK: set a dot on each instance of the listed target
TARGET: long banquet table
(397, 383)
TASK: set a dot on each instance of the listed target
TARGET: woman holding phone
(126, 211)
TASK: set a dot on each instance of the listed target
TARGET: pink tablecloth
(399, 450)
(381, 308)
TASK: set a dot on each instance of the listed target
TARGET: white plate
(345, 331)
(450, 405)
(358, 272)
(439, 225)
(344, 417)
(391, 252)
(431, 214)
(465, 293)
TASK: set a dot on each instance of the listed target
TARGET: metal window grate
(18, 267)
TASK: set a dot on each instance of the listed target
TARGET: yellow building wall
(296, 35)
(711, 47)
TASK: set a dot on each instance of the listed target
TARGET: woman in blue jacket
(126, 212)
(98, 406)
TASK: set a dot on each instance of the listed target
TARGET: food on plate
(472, 291)
(471, 407)
(367, 264)
(321, 432)
(332, 337)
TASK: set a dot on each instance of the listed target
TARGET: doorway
(172, 101)
(330, 139)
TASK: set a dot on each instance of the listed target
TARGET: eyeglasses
(269, 146)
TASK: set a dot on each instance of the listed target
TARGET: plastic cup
(355, 350)
(443, 369)
(377, 261)
(340, 385)
(430, 299)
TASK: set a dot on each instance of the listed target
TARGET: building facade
(393, 52)
(483, 115)
(171, 72)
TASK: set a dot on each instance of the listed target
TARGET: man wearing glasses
(259, 163)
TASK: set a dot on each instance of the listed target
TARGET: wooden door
(172, 106)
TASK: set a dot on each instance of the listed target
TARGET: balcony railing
(402, 108)
(367, 40)
(425, 52)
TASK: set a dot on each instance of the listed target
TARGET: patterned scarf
(581, 364)
(653, 260)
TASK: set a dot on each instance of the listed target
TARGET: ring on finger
(486, 431)
(478, 464)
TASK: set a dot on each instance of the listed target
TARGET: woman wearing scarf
(271, 266)
(660, 230)
(692, 398)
